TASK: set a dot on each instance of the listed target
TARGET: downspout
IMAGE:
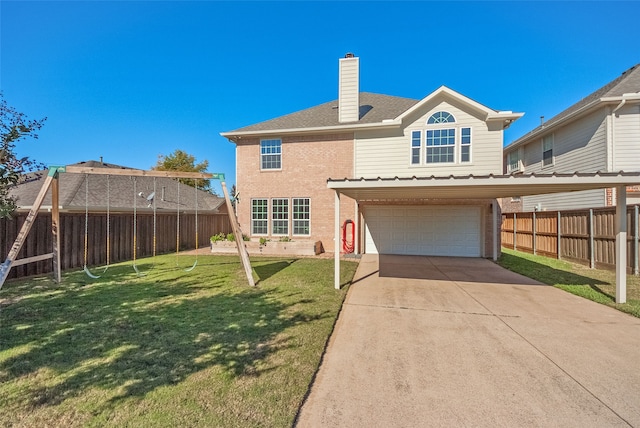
(613, 134)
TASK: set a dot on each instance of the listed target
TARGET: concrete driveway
(437, 341)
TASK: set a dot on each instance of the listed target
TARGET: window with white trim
(441, 145)
(465, 145)
(441, 117)
(547, 150)
(513, 161)
(280, 216)
(301, 216)
(271, 154)
(259, 217)
(416, 146)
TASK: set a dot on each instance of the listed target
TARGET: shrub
(284, 239)
(231, 237)
(216, 238)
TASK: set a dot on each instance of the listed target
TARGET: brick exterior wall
(307, 163)
(609, 196)
(509, 205)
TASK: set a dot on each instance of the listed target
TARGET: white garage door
(423, 230)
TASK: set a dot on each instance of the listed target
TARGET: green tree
(184, 162)
(14, 126)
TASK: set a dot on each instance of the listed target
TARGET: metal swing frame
(52, 182)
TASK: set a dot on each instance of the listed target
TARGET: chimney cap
(349, 55)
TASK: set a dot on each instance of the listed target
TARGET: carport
(392, 190)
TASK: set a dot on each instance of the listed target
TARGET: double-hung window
(271, 154)
(301, 216)
(280, 216)
(513, 161)
(259, 216)
(465, 145)
(547, 150)
(416, 146)
(441, 145)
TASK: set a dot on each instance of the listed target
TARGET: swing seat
(138, 271)
(192, 267)
(91, 275)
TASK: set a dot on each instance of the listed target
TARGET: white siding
(626, 149)
(579, 146)
(348, 90)
(565, 201)
(389, 155)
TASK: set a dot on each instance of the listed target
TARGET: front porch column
(621, 244)
(336, 243)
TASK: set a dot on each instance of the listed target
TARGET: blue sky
(133, 80)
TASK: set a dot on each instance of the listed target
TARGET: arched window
(441, 117)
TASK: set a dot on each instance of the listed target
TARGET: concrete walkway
(430, 341)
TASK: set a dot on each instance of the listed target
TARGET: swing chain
(86, 218)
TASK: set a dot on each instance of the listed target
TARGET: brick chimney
(349, 89)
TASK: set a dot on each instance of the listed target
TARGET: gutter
(385, 124)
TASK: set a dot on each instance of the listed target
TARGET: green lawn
(167, 349)
(593, 284)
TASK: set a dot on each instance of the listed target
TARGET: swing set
(52, 182)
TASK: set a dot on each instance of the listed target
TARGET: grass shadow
(545, 273)
(131, 335)
(265, 269)
(557, 273)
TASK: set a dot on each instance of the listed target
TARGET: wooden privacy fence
(72, 229)
(584, 236)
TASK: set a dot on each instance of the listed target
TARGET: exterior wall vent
(349, 89)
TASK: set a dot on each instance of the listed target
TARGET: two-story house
(601, 132)
(283, 167)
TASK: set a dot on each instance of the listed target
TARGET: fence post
(515, 226)
(533, 232)
(592, 257)
(636, 238)
(559, 244)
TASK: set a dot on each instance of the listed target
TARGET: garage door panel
(423, 230)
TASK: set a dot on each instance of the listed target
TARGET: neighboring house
(283, 166)
(599, 133)
(120, 190)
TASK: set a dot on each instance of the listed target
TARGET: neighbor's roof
(73, 193)
(626, 84)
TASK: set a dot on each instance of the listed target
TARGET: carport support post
(621, 244)
(336, 243)
(494, 212)
(635, 240)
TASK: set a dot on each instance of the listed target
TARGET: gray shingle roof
(627, 82)
(374, 108)
(73, 194)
